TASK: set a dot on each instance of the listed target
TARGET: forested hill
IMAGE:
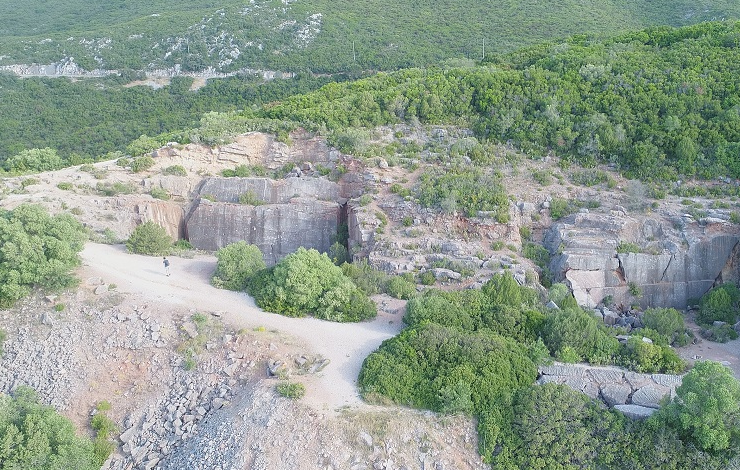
(658, 103)
(316, 35)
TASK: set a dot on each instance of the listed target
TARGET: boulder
(635, 411)
(616, 394)
(650, 395)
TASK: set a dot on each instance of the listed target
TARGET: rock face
(636, 395)
(298, 212)
(675, 264)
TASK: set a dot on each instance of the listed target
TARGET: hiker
(166, 263)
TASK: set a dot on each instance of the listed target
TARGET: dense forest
(89, 118)
(658, 103)
(320, 35)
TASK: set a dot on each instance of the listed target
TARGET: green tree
(34, 436)
(668, 322)
(719, 304)
(149, 238)
(236, 264)
(306, 282)
(706, 410)
(45, 159)
(37, 250)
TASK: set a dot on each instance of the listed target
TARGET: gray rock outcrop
(637, 395)
(676, 264)
(299, 212)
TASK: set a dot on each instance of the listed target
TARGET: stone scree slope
(676, 265)
(297, 212)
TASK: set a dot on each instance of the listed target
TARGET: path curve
(345, 344)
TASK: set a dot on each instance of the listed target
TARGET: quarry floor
(346, 345)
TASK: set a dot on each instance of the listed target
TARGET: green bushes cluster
(464, 189)
(308, 283)
(149, 239)
(36, 436)
(37, 250)
(236, 265)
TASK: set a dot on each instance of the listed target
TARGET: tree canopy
(37, 250)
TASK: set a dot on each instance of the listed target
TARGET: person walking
(166, 263)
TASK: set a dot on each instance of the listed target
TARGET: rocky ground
(124, 336)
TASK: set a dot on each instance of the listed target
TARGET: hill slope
(320, 35)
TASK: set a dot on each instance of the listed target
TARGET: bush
(65, 186)
(627, 247)
(140, 164)
(250, 199)
(175, 170)
(368, 279)
(582, 333)
(427, 278)
(159, 193)
(668, 322)
(38, 251)
(34, 160)
(719, 304)
(464, 189)
(35, 436)
(294, 390)
(400, 288)
(236, 264)
(308, 283)
(149, 239)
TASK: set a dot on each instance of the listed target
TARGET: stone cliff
(667, 262)
(297, 212)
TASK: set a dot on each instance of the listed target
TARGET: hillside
(321, 36)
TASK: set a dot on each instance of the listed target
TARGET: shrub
(583, 333)
(338, 254)
(65, 186)
(559, 208)
(627, 247)
(400, 288)
(719, 304)
(44, 251)
(236, 264)
(307, 282)
(465, 189)
(250, 199)
(159, 193)
(115, 189)
(34, 160)
(140, 164)
(427, 278)
(244, 171)
(36, 436)
(668, 322)
(365, 199)
(59, 307)
(368, 279)
(293, 390)
(149, 239)
(175, 170)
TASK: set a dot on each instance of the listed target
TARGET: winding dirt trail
(345, 344)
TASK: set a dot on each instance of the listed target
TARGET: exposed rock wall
(676, 264)
(636, 395)
(270, 191)
(277, 229)
(166, 214)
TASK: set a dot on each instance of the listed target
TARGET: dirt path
(345, 345)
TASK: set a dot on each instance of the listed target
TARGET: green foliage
(59, 307)
(369, 280)
(648, 358)
(465, 189)
(144, 145)
(159, 193)
(365, 199)
(400, 288)
(338, 254)
(293, 390)
(706, 410)
(175, 170)
(427, 278)
(554, 427)
(627, 247)
(3, 337)
(719, 304)
(634, 289)
(250, 199)
(236, 265)
(34, 160)
(140, 164)
(244, 171)
(65, 186)
(115, 189)
(35, 436)
(582, 334)
(668, 322)
(307, 282)
(37, 250)
(149, 239)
